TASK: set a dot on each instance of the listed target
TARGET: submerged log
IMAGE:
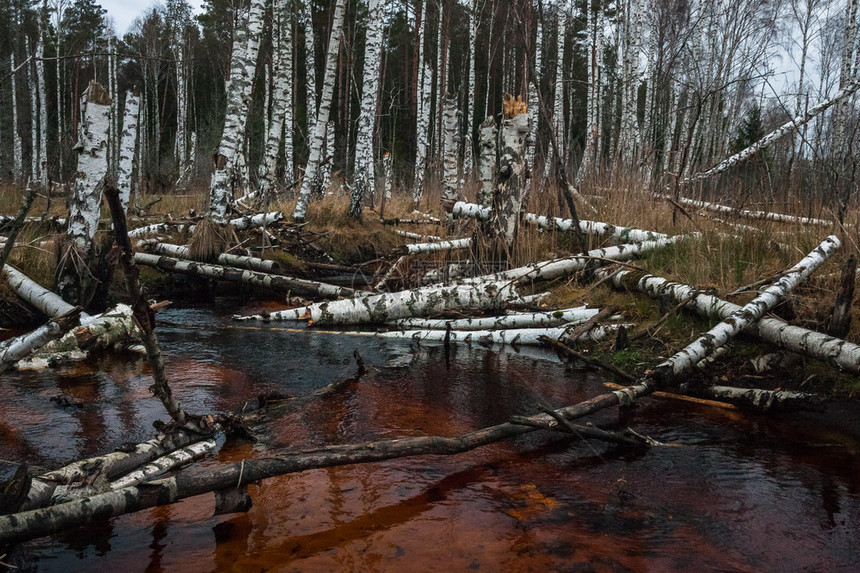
(403, 304)
(761, 400)
(277, 283)
(518, 320)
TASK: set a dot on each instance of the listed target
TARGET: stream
(730, 490)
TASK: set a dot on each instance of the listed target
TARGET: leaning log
(49, 303)
(403, 304)
(834, 351)
(277, 283)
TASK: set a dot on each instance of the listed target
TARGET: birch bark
(451, 121)
(43, 110)
(508, 200)
(243, 65)
(365, 166)
(17, 152)
(127, 148)
(307, 22)
(281, 98)
(470, 90)
(318, 139)
(558, 98)
(425, 87)
(487, 165)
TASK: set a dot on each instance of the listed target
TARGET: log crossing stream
(734, 490)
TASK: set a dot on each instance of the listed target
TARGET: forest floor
(722, 260)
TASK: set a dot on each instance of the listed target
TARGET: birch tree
(281, 98)
(17, 151)
(307, 22)
(424, 81)
(127, 148)
(243, 66)
(365, 171)
(318, 140)
(43, 110)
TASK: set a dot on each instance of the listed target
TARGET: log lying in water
(114, 328)
(834, 351)
(508, 336)
(762, 400)
(517, 320)
(28, 525)
(18, 348)
(277, 283)
(382, 308)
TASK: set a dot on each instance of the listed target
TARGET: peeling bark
(511, 188)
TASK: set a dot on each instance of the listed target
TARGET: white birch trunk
(558, 98)
(403, 304)
(318, 139)
(764, 215)
(451, 124)
(17, 151)
(487, 165)
(277, 283)
(164, 464)
(243, 66)
(534, 101)
(519, 320)
(38, 296)
(775, 135)
(592, 91)
(389, 174)
(250, 263)
(365, 165)
(307, 22)
(508, 201)
(43, 110)
(115, 136)
(834, 351)
(281, 99)
(423, 132)
(18, 348)
(547, 270)
(34, 114)
(435, 246)
(92, 147)
(127, 148)
(748, 314)
(511, 336)
(468, 160)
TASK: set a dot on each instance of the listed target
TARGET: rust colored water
(734, 491)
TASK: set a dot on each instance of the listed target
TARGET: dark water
(732, 491)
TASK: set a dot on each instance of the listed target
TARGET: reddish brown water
(735, 492)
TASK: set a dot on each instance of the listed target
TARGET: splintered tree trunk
(318, 140)
(365, 171)
(488, 133)
(127, 148)
(85, 202)
(281, 98)
(451, 121)
(511, 190)
(243, 65)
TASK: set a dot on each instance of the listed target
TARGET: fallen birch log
(462, 209)
(434, 247)
(38, 296)
(259, 220)
(385, 307)
(834, 351)
(160, 228)
(18, 348)
(510, 336)
(417, 236)
(556, 268)
(761, 215)
(277, 283)
(28, 525)
(239, 223)
(243, 262)
(518, 320)
(165, 463)
(112, 466)
(762, 400)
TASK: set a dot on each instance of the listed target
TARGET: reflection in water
(740, 492)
